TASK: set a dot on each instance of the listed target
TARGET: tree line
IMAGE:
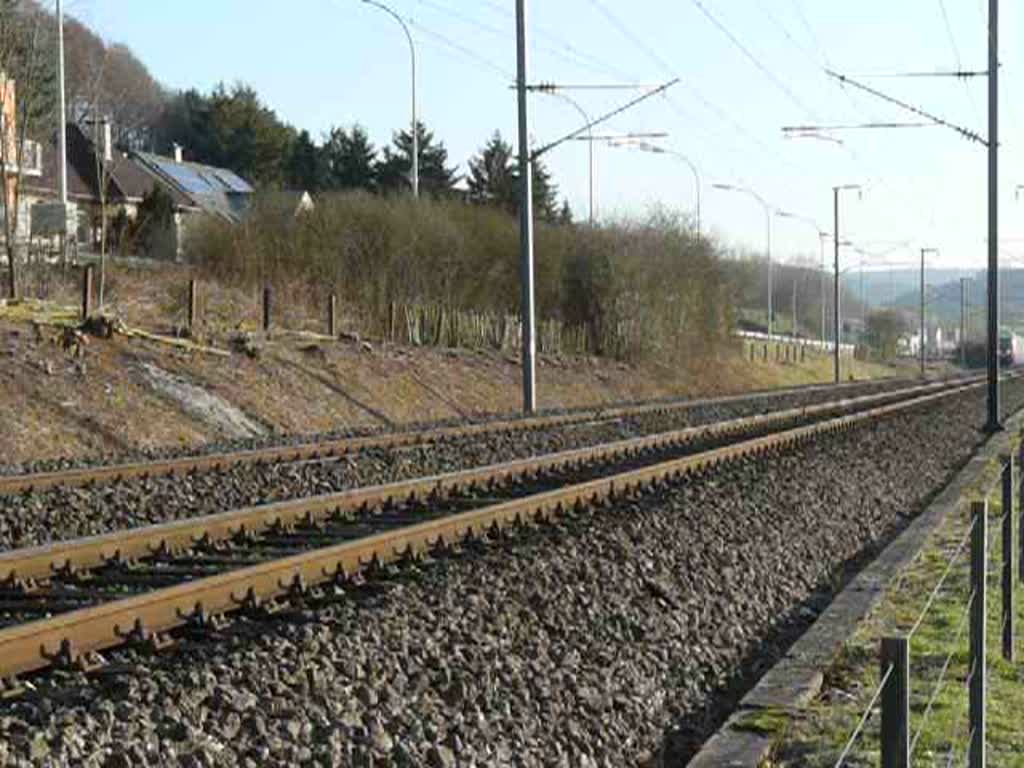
(231, 127)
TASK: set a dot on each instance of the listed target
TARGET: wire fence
(898, 740)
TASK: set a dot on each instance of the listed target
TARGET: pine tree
(305, 169)
(394, 171)
(350, 160)
(492, 175)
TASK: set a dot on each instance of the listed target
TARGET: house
(22, 161)
(193, 188)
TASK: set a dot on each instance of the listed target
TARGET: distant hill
(943, 295)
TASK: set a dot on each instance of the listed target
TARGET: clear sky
(320, 63)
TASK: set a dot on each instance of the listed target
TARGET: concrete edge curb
(747, 737)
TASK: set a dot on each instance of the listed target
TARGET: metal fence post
(193, 303)
(332, 316)
(976, 667)
(267, 297)
(895, 734)
(1008, 552)
(87, 292)
(1020, 498)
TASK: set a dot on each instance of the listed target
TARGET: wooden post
(1008, 552)
(87, 292)
(332, 316)
(976, 664)
(193, 304)
(267, 299)
(895, 733)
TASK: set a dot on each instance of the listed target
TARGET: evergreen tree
(565, 214)
(494, 180)
(305, 169)
(350, 160)
(545, 193)
(492, 175)
(232, 129)
(394, 171)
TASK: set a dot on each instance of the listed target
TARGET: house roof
(131, 176)
(126, 182)
(215, 190)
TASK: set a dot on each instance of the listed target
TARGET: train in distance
(1011, 348)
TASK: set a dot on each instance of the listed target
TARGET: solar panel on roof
(232, 181)
(187, 177)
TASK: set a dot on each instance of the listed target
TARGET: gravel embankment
(605, 640)
(62, 513)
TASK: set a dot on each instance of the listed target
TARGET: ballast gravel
(618, 636)
(34, 518)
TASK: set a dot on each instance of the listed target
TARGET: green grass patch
(818, 736)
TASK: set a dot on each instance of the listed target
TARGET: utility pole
(963, 322)
(837, 334)
(794, 306)
(993, 423)
(822, 236)
(924, 330)
(924, 335)
(835, 308)
(62, 135)
(525, 217)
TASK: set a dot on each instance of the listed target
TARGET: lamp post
(590, 141)
(648, 147)
(415, 124)
(923, 334)
(835, 288)
(822, 237)
(768, 237)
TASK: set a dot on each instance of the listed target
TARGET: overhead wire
(959, 64)
(668, 69)
(775, 79)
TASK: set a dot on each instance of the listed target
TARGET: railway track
(65, 602)
(335, 448)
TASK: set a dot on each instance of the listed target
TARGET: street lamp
(655, 149)
(822, 237)
(768, 237)
(415, 125)
(835, 288)
(590, 138)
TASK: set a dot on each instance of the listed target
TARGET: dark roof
(126, 182)
(215, 190)
(132, 176)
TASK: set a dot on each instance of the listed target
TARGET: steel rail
(73, 637)
(80, 476)
(24, 566)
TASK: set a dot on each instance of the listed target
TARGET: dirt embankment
(119, 395)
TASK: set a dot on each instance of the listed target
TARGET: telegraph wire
(754, 59)
(956, 57)
(707, 103)
(467, 52)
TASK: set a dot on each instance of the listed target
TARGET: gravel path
(608, 639)
(62, 513)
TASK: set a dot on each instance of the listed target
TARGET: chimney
(177, 152)
(108, 149)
